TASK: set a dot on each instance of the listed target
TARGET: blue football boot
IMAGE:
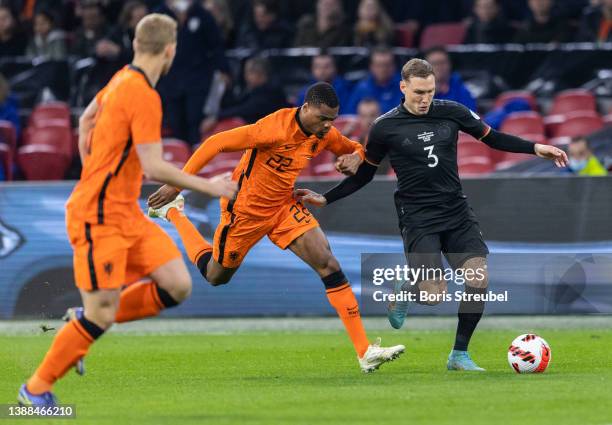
(461, 360)
(26, 398)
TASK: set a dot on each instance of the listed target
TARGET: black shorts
(458, 244)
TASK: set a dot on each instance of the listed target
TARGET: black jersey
(423, 152)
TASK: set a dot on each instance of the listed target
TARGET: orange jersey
(129, 113)
(277, 150)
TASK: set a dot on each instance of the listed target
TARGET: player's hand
(555, 154)
(222, 185)
(348, 164)
(162, 196)
(307, 196)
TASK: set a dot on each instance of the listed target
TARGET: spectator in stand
(93, 29)
(13, 41)
(323, 68)
(374, 27)
(260, 97)
(449, 84)
(48, 42)
(542, 26)
(266, 30)
(220, 10)
(117, 46)
(382, 83)
(582, 162)
(488, 26)
(367, 112)
(9, 106)
(596, 23)
(199, 54)
(327, 28)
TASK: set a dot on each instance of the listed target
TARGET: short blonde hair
(154, 32)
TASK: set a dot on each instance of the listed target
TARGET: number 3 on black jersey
(431, 155)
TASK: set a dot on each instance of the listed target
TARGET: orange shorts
(108, 257)
(237, 233)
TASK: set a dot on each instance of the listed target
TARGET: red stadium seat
(322, 165)
(535, 138)
(573, 100)
(517, 94)
(472, 149)
(55, 113)
(404, 35)
(519, 123)
(176, 151)
(59, 137)
(6, 159)
(510, 158)
(8, 134)
(475, 166)
(579, 124)
(222, 163)
(442, 34)
(347, 124)
(42, 162)
(224, 125)
(559, 141)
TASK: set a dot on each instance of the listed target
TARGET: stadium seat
(176, 151)
(442, 34)
(59, 137)
(472, 149)
(535, 138)
(520, 123)
(55, 113)
(224, 125)
(509, 159)
(6, 159)
(222, 163)
(8, 134)
(578, 124)
(475, 166)
(404, 35)
(42, 162)
(322, 165)
(559, 141)
(347, 125)
(573, 100)
(517, 94)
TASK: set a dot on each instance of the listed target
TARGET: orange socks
(142, 299)
(344, 301)
(69, 345)
(194, 243)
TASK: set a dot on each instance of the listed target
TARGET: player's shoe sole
(461, 360)
(162, 212)
(75, 313)
(376, 356)
(25, 398)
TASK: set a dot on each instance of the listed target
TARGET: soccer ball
(529, 353)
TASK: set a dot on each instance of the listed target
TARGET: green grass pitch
(313, 378)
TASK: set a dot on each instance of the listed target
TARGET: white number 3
(431, 155)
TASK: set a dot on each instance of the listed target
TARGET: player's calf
(431, 292)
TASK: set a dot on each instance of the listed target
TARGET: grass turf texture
(313, 377)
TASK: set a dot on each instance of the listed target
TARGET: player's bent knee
(432, 292)
(475, 272)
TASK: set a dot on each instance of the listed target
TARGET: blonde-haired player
(113, 242)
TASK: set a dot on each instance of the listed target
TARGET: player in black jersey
(420, 138)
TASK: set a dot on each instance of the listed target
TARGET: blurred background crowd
(541, 69)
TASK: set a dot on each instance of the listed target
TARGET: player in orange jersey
(114, 243)
(278, 147)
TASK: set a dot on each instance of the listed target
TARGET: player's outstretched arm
(155, 168)
(87, 121)
(365, 173)
(508, 143)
